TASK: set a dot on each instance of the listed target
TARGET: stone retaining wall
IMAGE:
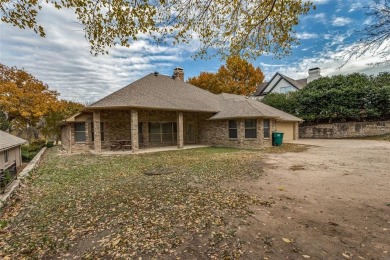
(345, 130)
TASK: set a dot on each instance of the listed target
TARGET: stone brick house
(159, 110)
(10, 150)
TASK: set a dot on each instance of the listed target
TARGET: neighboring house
(280, 83)
(10, 150)
(159, 110)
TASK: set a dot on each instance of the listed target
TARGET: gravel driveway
(331, 202)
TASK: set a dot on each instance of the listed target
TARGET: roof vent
(156, 73)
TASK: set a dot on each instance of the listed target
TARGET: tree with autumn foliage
(25, 99)
(238, 76)
(30, 106)
(60, 111)
(247, 27)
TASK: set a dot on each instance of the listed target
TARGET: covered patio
(134, 130)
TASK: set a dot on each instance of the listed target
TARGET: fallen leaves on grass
(105, 207)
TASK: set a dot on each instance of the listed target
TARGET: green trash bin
(277, 138)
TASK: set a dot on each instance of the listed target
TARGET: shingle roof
(299, 83)
(234, 106)
(160, 92)
(163, 92)
(8, 141)
(261, 88)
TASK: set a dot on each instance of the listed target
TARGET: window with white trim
(287, 89)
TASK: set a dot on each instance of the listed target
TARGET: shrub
(37, 144)
(49, 144)
(354, 97)
(29, 151)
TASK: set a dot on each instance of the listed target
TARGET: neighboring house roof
(8, 141)
(298, 84)
(156, 91)
(160, 92)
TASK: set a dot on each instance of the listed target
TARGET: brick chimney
(178, 74)
(314, 73)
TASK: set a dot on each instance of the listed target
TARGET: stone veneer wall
(217, 133)
(345, 130)
(65, 137)
(296, 131)
(117, 125)
(68, 141)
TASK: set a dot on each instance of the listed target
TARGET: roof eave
(90, 109)
(241, 117)
(12, 146)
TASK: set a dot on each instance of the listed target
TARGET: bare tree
(375, 37)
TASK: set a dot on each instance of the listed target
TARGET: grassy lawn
(94, 206)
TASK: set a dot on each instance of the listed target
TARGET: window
(232, 129)
(79, 132)
(285, 90)
(6, 156)
(266, 128)
(101, 131)
(250, 128)
(162, 132)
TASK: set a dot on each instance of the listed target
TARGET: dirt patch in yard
(322, 199)
(331, 202)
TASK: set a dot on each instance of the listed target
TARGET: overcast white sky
(62, 59)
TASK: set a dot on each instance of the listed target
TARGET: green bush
(354, 97)
(37, 144)
(49, 144)
(29, 151)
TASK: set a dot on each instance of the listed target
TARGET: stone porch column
(96, 128)
(180, 130)
(134, 131)
(260, 133)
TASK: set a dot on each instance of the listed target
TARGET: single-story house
(159, 110)
(10, 150)
(280, 83)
